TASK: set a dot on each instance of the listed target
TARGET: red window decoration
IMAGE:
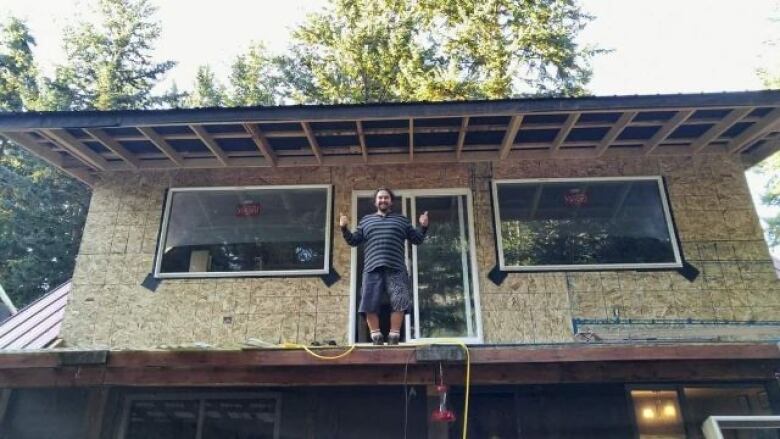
(248, 209)
(575, 198)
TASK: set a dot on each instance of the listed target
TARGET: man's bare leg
(373, 321)
(396, 319)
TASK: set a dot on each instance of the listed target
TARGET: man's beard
(384, 207)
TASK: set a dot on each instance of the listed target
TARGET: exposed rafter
(261, 142)
(614, 132)
(411, 139)
(755, 131)
(563, 132)
(509, 136)
(665, 130)
(77, 148)
(162, 144)
(362, 140)
(114, 146)
(464, 126)
(721, 127)
(29, 143)
(313, 144)
(210, 143)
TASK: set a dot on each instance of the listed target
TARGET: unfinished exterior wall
(715, 219)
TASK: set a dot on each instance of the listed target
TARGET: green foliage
(110, 64)
(771, 197)
(42, 210)
(253, 78)
(398, 50)
(207, 91)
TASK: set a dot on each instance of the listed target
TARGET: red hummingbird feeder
(442, 414)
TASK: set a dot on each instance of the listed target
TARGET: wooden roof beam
(261, 142)
(721, 127)
(758, 129)
(509, 136)
(614, 132)
(114, 146)
(162, 144)
(29, 143)
(362, 140)
(411, 140)
(665, 130)
(210, 143)
(464, 126)
(563, 132)
(77, 148)
(315, 146)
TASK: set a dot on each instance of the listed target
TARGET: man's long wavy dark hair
(389, 192)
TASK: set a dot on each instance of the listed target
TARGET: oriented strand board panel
(716, 222)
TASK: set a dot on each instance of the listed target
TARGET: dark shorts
(381, 281)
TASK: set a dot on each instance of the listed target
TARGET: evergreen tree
(399, 50)
(253, 78)
(41, 209)
(110, 65)
(207, 91)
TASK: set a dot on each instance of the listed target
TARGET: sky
(656, 46)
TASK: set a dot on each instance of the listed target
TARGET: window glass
(703, 402)
(239, 419)
(586, 223)
(257, 231)
(162, 419)
(657, 414)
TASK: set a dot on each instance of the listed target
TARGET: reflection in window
(258, 231)
(584, 223)
(657, 414)
(703, 402)
(245, 418)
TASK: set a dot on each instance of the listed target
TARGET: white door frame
(353, 287)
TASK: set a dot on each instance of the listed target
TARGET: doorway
(443, 269)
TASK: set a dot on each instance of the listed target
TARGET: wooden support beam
(362, 139)
(509, 136)
(464, 126)
(315, 146)
(77, 148)
(563, 132)
(262, 142)
(665, 130)
(210, 143)
(162, 145)
(758, 129)
(721, 127)
(96, 409)
(411, 140)
(114, 146)
(614, 132)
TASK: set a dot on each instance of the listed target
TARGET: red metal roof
(37, 325)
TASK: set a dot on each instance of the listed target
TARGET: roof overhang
(86, 144)
(505, 364)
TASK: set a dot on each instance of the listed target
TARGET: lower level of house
(596, 410)
(658, 391)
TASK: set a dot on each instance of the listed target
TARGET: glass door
(442, 269)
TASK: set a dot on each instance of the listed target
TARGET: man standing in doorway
(384, 267)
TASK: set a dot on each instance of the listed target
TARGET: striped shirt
(384, 238)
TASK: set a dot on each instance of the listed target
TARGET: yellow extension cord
(439, 342)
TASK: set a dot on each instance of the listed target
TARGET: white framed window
(245, 231)
(201, 416)
(584, 224)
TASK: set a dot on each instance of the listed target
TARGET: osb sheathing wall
(712, 208)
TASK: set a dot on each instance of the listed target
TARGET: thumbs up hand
(343, 220)
(424, 219)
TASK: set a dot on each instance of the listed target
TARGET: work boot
(377, 338)
(393, 338)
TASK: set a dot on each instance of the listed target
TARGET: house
(600, 259)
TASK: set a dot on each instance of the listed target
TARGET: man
(384, 268)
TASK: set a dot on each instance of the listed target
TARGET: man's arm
(353, 239)
(415, 236)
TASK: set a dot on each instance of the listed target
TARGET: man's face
(383, 201)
